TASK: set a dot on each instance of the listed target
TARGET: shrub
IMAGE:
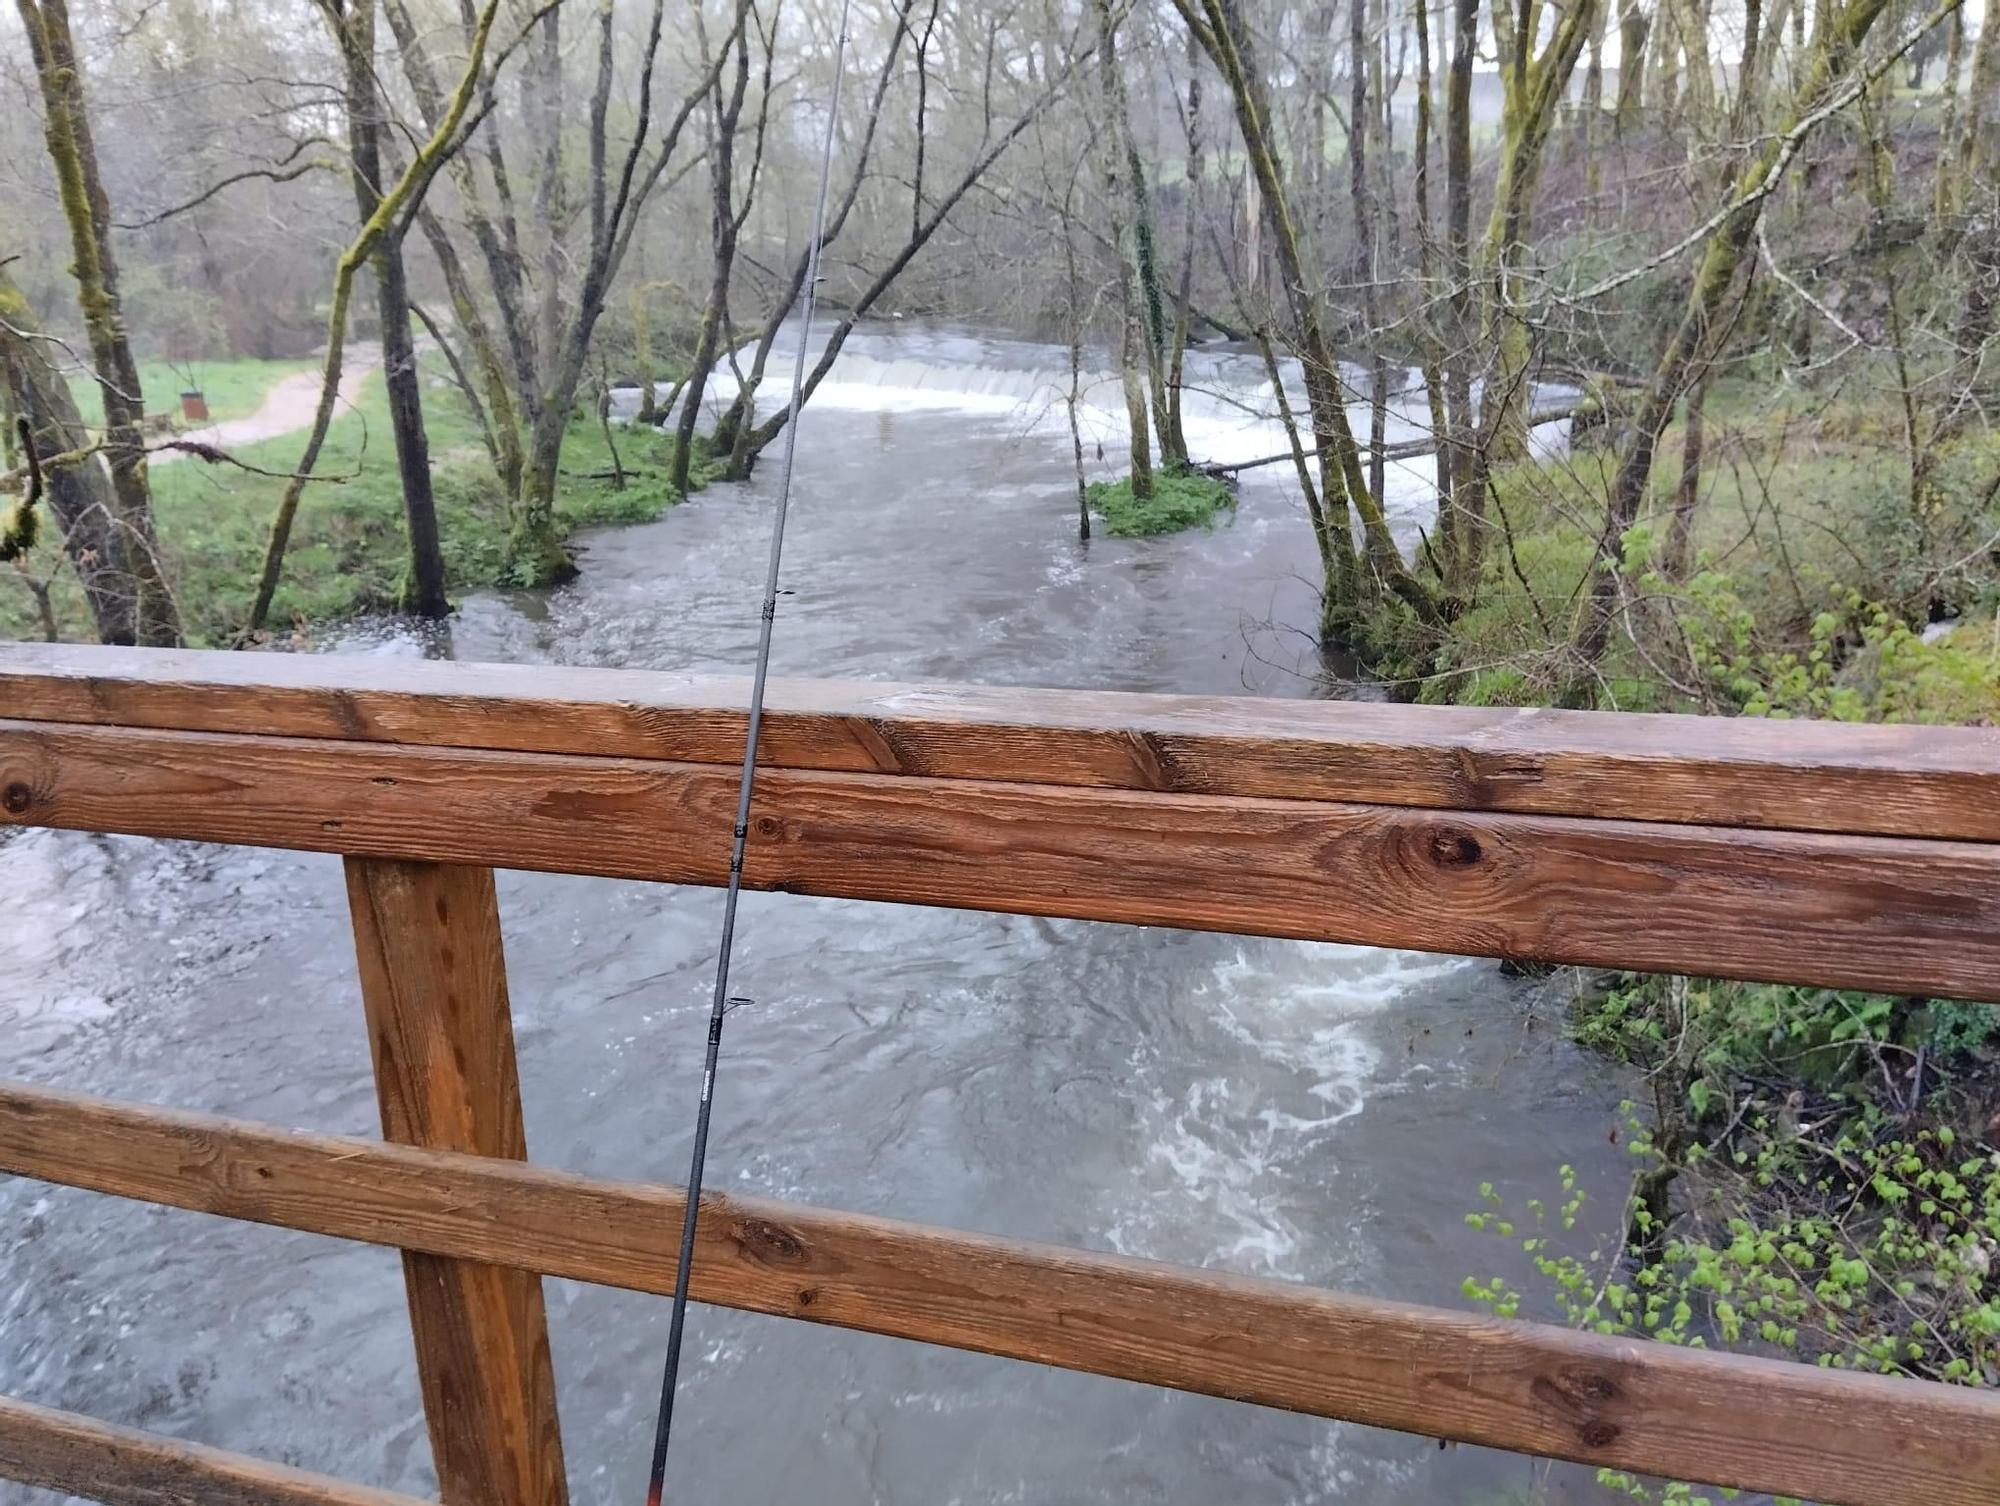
(1181, 499)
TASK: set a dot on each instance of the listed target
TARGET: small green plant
(1825, 1040)
(1849, 1254)
(1181, 499)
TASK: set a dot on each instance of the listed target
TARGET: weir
(1854, 856)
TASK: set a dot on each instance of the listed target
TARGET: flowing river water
(1317, 1113)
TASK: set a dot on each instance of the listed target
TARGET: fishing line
(722, 1003)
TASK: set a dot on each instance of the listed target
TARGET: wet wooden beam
(434, 983)
(1836, 1437)
(1848, 911)
(1937, 782)
(101, 1461)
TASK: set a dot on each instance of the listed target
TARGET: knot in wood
(17, 797)
(1454, 847)
(1580, 1397)
(1600, 1432)
(765, 1240)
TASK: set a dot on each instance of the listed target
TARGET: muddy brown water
(1316, 1113)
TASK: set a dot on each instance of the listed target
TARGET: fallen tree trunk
(1407, 449)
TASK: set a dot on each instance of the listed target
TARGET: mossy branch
(23, 522)
(408, 188)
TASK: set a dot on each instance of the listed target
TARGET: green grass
(348, 548)
(1803, 529)
(1180, 500)
(233, 389)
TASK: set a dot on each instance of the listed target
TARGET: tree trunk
(1664, 62)
(723, 225)
(78, 494)
(498, 249)
(1434, 350)
(1073, 316)
(1694, 21)
(503, 419)
(73, 153)
(1363, 113)
(535, 548)
(410, 186)
(1593, 106)
(1225, 38)
(1468, 505)
(422, 592)
(1141, 309)
(1175, 437)
(1687, 495)
(1944, 186)
(1834, 46)
(1633, 26)
(1975, 144)
(735, 430)
(1533, 88)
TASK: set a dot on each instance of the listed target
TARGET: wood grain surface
(1861, 912)
(1941, 782)
(434, 984)
(1840, 1438)
(102, 1461)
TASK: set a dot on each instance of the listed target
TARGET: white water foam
(1229, 1146)
(1229, 410)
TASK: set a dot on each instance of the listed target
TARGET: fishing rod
(722, 1003)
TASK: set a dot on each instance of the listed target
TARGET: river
(1319, 1113)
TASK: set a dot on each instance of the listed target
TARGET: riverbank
(349, 544)
(1815, 1172)
(1804, 587)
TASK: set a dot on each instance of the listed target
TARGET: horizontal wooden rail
(1843, 1439)
(125, 1467)
(1846, 911)
(1941, 782)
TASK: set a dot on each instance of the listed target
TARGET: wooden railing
(1852, 856)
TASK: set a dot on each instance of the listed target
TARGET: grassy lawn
(234, 389)
(347, 548)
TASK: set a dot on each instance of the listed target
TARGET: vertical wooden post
(434, 981)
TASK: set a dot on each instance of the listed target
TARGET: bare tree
(73, 153)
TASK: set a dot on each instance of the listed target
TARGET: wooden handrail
(1852, 856)
(1936, 782)
(1837, 1437)
(1884, 913)
(125, 1467)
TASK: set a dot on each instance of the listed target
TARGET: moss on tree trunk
(73, 154)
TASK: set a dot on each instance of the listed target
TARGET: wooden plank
(1841, 1438)
(1860, 912)
(434, 982)
(1941, 782)
(102, 1461)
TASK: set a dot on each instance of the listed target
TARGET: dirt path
(288, 407)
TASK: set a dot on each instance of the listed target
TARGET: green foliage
(1811, 572)
(1828, 1040)
(1859, 661)
(19, 528)
(1817, 1222)
(1855, 1255)
(1181, 499)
